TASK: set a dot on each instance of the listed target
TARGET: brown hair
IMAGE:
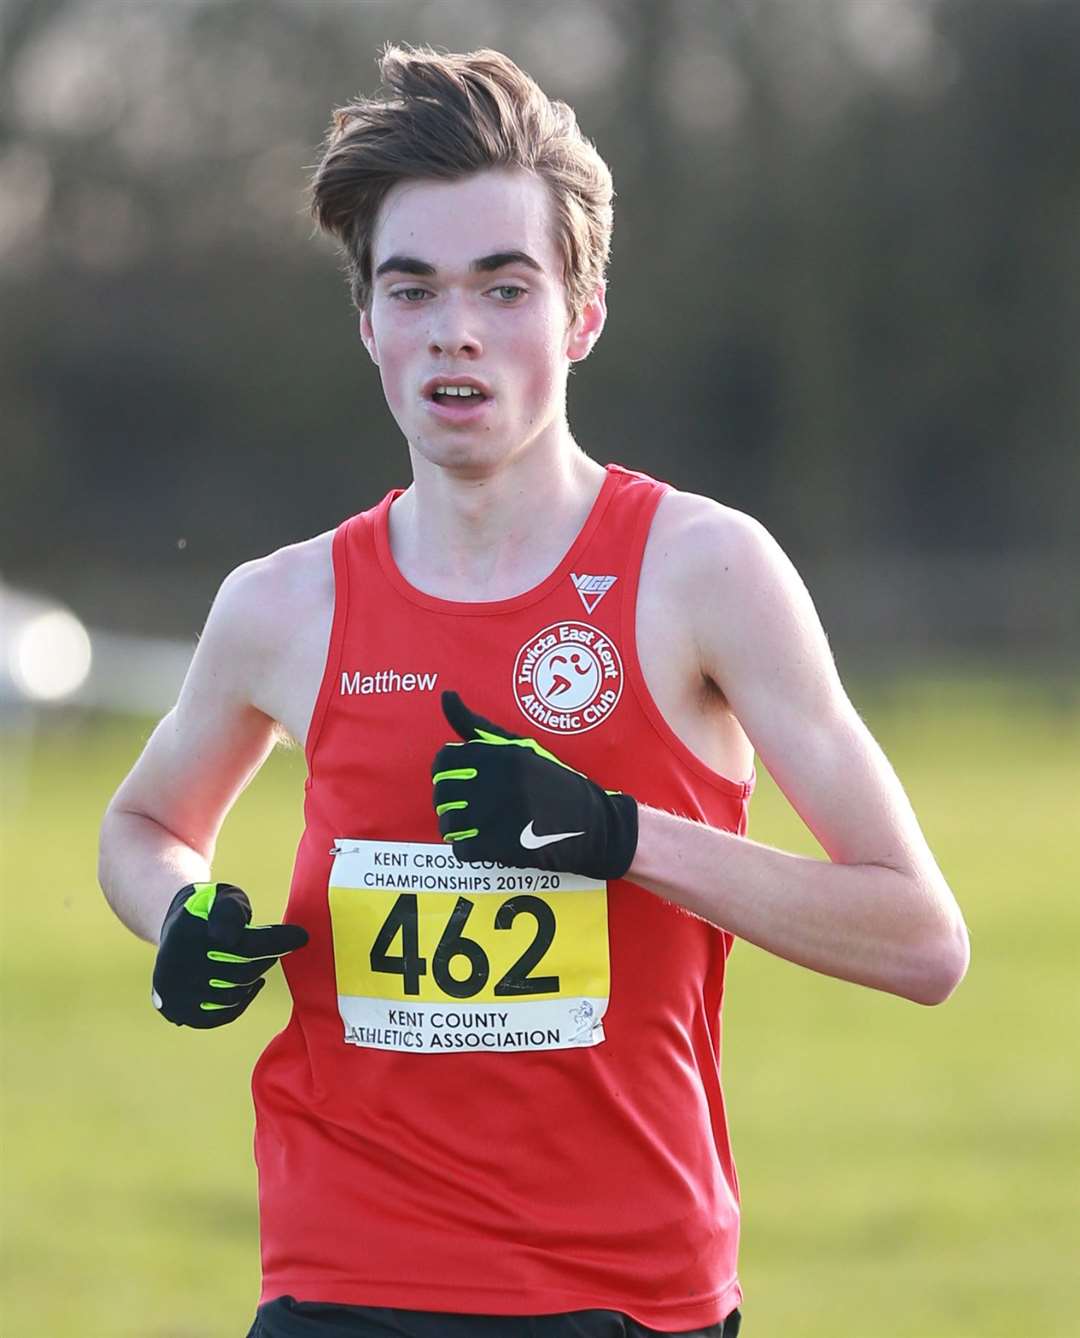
(448, 116)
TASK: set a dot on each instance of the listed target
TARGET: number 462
(453, 943)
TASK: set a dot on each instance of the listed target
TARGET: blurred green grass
(903, 1169)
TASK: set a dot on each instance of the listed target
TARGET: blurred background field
(845, 297)
(903, 1169)
(844, 291)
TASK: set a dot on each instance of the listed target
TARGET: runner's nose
(452, 332)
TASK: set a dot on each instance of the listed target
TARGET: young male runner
(531, 689)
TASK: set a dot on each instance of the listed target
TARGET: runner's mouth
(456, 400)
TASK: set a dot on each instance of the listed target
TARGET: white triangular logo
(592, 589)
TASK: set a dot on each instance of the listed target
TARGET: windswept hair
(444, 117)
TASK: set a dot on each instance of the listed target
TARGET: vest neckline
(481, 608)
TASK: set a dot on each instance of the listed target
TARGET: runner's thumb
(467, 724)
(229, 915)
(229, 929)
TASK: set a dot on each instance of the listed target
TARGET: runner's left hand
(499, 796)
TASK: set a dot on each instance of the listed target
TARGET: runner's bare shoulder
(274, 614)
(260, 595)
(697, 542)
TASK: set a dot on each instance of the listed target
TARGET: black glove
(502, 797)
(210, 963)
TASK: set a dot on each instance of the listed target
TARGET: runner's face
(467, 284)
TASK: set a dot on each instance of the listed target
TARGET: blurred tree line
(844, 296)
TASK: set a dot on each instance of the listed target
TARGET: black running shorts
(286, 1318)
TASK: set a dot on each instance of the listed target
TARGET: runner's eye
(409, 295)
(509, 292)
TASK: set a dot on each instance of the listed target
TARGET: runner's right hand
(211, 962)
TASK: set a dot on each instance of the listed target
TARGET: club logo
(568, 678)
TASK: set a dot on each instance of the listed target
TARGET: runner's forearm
(866, 923)
(141, 866)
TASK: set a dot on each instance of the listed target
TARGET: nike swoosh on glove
(211, 962)
(499, 796)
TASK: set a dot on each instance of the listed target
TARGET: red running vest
(496, 1093)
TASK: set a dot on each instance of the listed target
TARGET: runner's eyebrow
(500, 259)
(403, 264)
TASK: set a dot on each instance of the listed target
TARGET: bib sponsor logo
(385, 680)
(568, 678)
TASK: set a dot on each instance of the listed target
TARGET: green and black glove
(211, 963)
(502, 797)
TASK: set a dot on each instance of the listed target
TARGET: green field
(904, 1170)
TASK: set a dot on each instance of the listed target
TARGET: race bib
(434, 956)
